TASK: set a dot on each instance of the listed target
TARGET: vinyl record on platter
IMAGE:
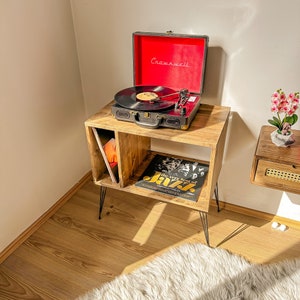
(146, 98)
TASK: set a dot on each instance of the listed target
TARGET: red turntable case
(171, 61)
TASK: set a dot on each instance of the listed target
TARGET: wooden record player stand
(133, 145)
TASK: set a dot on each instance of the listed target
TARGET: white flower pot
(281, 140)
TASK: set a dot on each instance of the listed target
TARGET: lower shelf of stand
(201, 205)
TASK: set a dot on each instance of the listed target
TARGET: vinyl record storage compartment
(133, 146)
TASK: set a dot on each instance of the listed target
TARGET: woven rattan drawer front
(279, 176)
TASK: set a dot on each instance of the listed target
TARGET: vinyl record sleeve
(174, 176)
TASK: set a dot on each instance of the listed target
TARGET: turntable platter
(147, 98)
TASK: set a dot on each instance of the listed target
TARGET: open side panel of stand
(99, 163)
(132, 150)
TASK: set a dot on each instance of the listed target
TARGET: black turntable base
(156, 106)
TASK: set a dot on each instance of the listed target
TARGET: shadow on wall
(295, 199)
(214, 75)
(287, 200)
(235, 184)
(239, 138)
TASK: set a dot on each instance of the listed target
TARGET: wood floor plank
(74, 251)
(12, 286)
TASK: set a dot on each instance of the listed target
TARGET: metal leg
(102, 198)
(204, 220)
(217, 196)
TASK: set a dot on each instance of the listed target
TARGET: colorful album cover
(110, 152)
(174, 176)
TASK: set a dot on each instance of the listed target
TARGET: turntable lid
(176, 61)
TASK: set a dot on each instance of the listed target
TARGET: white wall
(43, 147)
(254, 50)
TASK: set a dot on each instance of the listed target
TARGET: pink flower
(274, 108)
(286, 105)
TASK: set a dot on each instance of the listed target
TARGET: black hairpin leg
(102, 198)
(217, 197)
(204, 220)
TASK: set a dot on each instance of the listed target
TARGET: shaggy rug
(195, 271)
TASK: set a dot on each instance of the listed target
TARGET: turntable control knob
(183, 111)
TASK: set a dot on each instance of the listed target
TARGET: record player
(169, 71)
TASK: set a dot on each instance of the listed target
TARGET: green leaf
(274, 123)
(291, 119)
(295, 119)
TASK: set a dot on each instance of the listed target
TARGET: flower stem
(280, 122)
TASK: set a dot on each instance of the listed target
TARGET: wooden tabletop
(267, 150)
(205, 130)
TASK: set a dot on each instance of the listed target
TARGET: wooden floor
(74, 252)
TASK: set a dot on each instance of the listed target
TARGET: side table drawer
(276, 175)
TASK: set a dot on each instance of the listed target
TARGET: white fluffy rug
(195, 271)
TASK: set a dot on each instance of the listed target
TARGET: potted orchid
(284, 108)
